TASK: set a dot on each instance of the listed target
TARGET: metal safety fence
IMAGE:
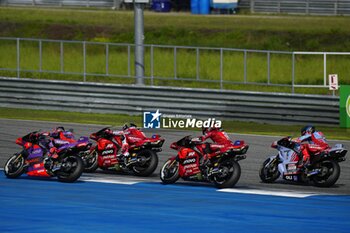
(170, 65)
(279, 108)
(307, 7)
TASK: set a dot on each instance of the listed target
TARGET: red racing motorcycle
(223, 169)
(143, 159)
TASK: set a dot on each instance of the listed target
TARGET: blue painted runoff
(46, 205)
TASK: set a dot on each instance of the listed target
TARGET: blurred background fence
(307, 7)
(219, 68)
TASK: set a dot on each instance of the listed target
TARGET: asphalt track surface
(258, 151)
(110, 202)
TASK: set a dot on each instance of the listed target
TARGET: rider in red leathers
(220, 139)
(311, 142)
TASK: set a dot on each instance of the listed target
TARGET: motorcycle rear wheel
(330, 172)
(149, 166)
(169, 175)
(14, 170)
(76, 168)
(234, 173)
(269, 174)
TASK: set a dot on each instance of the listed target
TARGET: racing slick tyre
(147, 163)
(330, 172)
(91, 163)
(14, 166)
(230, 172)
(169, 173)
(269, 172)
(71, 169)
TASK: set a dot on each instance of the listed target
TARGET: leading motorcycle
(223, 169)
(323, 170)
(37, 159)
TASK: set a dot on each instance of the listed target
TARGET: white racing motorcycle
(323, 171)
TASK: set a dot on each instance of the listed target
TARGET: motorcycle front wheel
(91, 162)
(14, 166)
(169, 173)
(329, 174)
(229, 175)
(71, 169)
(268, 172)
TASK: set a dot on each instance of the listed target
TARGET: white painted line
(109, 181)
(103, 178)
(269, 192)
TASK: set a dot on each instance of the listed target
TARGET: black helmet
(307, 129)
(205, 130)
(59, 129)
(125, 126)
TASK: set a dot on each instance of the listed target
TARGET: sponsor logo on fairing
(106, 152)
(187, 161)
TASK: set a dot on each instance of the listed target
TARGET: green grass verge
(310, 33)
(118, 119)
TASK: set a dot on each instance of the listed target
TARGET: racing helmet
(309, 129)
(125, 127)
(59, 129)
(107, 132)
(205, 130)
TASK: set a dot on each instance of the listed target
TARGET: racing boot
(300, 163)
(205, 161)
(129, 159)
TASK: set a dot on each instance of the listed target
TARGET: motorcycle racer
(62, 136)
(220, 139)
(311, 142)
(124, 144)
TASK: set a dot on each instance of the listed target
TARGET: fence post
(33, 2)
(307, 9)
(245, 66)
(336, 8)
(221, 68)
(175, 61)
(325, 69)
(62, 57)
(293, 71)
(197, 63)
(268, 67)
(129, 62)
(18, 58)
(107, 59)
(40, 56)
(84, 58)
(87, 3)
(115, 5)
(252, 3)
(152, 64)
